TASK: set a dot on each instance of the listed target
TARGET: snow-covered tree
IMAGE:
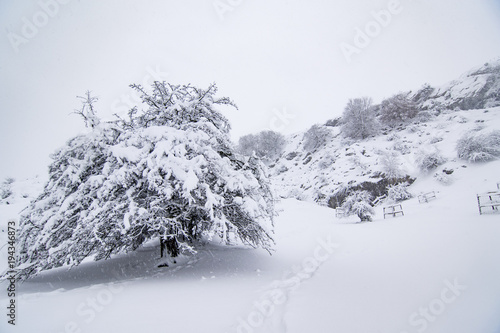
(315, 137)
(397, 110)
(358, 203)
(167, 172)
(391, 165)
(267, 145)
(359, 121)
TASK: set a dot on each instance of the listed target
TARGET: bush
(326, 162)
(358, 203)
(423, 93)
(267, 145)
(334, 122)
(428, 161)
(443, 178)
(398, 192)
(402, 147)
(6, 188)
(479, 147)
(391, 165)
(315, 137)
(397, 110)
(359, 121)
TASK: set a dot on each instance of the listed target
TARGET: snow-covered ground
(435, 270)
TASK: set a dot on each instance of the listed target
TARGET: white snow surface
(326, 275)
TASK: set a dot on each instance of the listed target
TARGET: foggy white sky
(268, 56)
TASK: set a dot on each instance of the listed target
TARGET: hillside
(337, 163)
(476, 89)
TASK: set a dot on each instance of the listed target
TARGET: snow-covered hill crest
(476, 89)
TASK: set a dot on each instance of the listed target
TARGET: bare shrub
(397, 110)
(267, 145)
(315, 137)
(427, 161)
(479, 147)
(359, 121)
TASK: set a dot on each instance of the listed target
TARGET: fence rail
(487, 201)
(393, 210)
(426, 197)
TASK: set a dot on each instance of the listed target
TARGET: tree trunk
(162, 246)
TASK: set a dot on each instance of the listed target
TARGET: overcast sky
(288, 64)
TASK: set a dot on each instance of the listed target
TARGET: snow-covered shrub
(423, 93)
(435, 139)
(393, 137)
(391, 165)
(168, 172)
(397, 110)
(359, 119)
(358, 203)
(326, 162)
(444, 178)
(427, 161)
(356, 162)
(6, 188)
(479, 147)
(315, 137)
(425, 115)
(402, 147)
(413, 129)
(267, 145)
(398, 192)
(335, 122)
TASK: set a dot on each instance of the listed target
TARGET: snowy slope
(470, 102)
(316, 175)
(326, 275)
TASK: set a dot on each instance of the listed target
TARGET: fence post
(479, 204)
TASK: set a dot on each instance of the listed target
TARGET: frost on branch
(167, 172)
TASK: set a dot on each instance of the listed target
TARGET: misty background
(280, 61)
